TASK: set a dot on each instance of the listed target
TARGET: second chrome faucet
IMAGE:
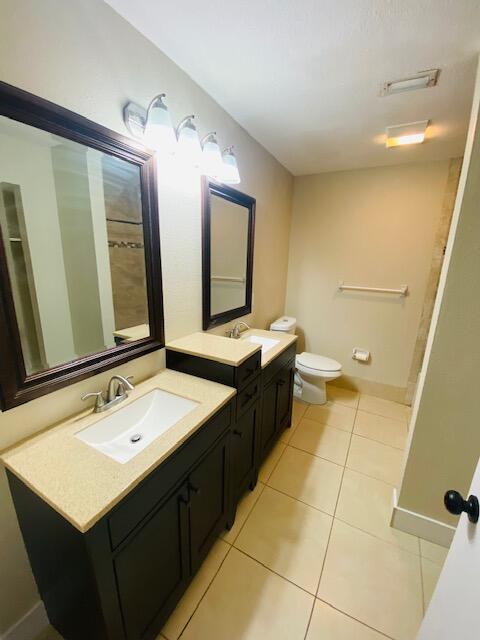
(118, 388)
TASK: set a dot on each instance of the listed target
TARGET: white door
(453, 613)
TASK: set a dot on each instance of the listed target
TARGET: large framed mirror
(80, 275)
(228, 229)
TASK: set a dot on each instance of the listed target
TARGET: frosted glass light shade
(230, 173)
(189, 147)
(212, 163)
(159, 133)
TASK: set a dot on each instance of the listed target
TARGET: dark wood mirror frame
(209, 188)
(16, 387)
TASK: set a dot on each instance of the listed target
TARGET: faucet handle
(100, 400)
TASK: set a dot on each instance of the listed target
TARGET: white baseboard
(29, 626)
(421, 526)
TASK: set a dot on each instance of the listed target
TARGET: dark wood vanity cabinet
(263, 406)
(276, 408)
(122, 578)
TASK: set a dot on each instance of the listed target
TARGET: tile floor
(311, 555)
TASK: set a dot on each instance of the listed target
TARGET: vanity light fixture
(404, 134)
(153, 124)
(230, 173)
(189, 146)
(212, 164)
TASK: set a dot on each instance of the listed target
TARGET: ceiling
(303, 76)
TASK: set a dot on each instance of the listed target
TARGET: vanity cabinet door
(208, 491)
(244, 445)
(285, 396)
(152, 567)
(269, 417)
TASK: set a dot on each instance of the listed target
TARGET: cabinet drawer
(248, 396)
(281, 361)
(248, 370)
(140, 502)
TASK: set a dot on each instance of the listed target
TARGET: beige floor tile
(288, 537)
(192, 596)
(244, 507)
(375, 459)
(323, 441)
(288, 433)
(366, 503)
(308, 478)
(246, 601)
(377, 583)
(332, 414)
(385, 430)
(270, 462)
(343, 396)
(329, 624)
(433, 552)
(430, 574)
(383, 407)
(298, 411)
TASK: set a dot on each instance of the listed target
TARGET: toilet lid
(319, 363)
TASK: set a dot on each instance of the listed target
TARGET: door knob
(455, 504)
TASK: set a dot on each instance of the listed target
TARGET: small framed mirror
(80, 276)
(228, 226)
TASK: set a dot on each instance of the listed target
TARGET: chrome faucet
(235, 332)
(118, 388)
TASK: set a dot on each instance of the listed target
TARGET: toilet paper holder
(362, 355)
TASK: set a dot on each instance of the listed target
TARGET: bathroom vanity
(260, 365)
(114, 546)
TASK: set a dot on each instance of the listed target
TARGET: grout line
(422, 583)
(390, 446)
(275, 572)
(248, 514)
(276, 464)
(205, 592)
(348, 615)
(330, 532)
(307, 504)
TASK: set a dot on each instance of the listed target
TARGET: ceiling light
(153, 124)
(230, 174)
(212, 163)
(422, 80)
(188, 142)
(403, 134)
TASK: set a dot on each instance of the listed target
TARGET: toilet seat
(313, 364)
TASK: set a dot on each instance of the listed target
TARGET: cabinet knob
(238, 433)
(194, 489)
(455, 504)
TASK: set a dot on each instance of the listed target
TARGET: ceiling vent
(422, 80)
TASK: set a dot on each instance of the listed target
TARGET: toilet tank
(286, 324)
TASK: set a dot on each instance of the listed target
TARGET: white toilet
(313, 371)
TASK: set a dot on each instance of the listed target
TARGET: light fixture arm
(183, 123)
(212, 135)
(160, 98)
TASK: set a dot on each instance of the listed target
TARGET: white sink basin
(123, 434)
(267, 343)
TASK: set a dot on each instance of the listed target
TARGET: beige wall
(445, 441)
(83, 56)
(373, 227)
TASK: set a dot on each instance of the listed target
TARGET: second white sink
(123, 434)
(267, 343)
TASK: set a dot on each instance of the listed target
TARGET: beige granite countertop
(284, 341)
(83, 484)
(212, 347)
(229, 350)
